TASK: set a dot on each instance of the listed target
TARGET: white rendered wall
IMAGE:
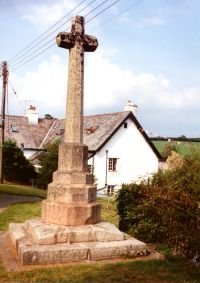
(136, 159)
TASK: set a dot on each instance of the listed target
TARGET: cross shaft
(77, 42)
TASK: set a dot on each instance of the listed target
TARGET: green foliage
(168, 149)
(16, 167)
(49, 164)
(166, 208)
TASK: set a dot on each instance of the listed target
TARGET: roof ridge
(60, 119)
(106, 114)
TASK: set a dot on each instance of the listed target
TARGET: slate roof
(19, 129)
(97, 130)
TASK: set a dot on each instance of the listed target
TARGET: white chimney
(130, 106)
(32, 115)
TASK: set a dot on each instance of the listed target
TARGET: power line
(30, 44)
(38, 43)
(15, 93)
(103, 11)
(27, 59)
(17, 58)
(30, 59)
(122, 12)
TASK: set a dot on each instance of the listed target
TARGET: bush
(165, 209)
(168, 149)
(175, 160)
(49, 164)
(16, 168)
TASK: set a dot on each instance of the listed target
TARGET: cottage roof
(97, 130)
(31, 136)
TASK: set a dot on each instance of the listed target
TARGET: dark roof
(97, 130)
(32, 136)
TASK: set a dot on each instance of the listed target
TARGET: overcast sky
(148, 53)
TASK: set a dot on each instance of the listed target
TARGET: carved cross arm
(65, 40)
(90, 43)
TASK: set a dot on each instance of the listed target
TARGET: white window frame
(110, 190)
(112, 164)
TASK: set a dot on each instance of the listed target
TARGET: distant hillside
(181, 138)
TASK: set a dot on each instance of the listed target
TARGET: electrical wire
(19, 65)
(121, 13)
(102, 11)
(16, 96)
(32, 47)
(15, 61)
(35, 40)
(26, 59)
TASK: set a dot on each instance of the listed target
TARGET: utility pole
(4, 88)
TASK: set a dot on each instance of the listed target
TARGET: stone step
(54, 234)
(63, 253)
(38, 243)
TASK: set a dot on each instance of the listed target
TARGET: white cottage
(119, 149)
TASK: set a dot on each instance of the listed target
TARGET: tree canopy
(16, 167)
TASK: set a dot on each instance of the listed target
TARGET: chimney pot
(32, 115)
(130, 106)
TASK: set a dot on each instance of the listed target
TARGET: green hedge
(165, 209)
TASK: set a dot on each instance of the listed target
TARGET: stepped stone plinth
(71, 196)
(39, 243)
(70, 228)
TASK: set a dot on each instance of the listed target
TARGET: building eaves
(124, 116)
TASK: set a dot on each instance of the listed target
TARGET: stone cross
(77, 42)
(71, 198)
(77, 233)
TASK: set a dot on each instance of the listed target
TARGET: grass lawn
(155, 271)
(19, 190)
(18, 213)
(172, 269)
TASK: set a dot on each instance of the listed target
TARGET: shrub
(165, 209)
(49, 164)
(16, 167)
(168, 149)
(175, 160)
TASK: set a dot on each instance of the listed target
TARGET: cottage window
(112, 164)
(110, 190)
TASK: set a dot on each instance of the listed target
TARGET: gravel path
(6, 200)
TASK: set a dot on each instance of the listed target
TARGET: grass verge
(18, 213)
(168, 271)
(19, 190)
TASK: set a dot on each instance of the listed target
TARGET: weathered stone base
(38, 243)
(70, 214)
